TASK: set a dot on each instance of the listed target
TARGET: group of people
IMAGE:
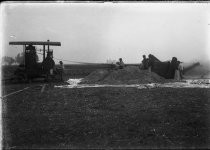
(175, 68)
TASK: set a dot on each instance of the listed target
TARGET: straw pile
(128, 75)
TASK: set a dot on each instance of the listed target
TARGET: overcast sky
(96, 32)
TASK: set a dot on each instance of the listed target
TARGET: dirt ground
(105, 117)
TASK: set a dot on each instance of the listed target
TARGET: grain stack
(128, 75)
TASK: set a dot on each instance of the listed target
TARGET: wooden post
(24, 57)
(43, 52)
(48, 46)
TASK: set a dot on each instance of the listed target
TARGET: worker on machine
(172, 68)
(151, 60)
(144, 64)
(120, 64)
(49, 65)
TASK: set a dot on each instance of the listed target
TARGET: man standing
(61, 70)
(181, 68)
(144, 63)
(172, 68)
(151, 61)
(49, 65)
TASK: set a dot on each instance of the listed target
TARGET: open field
(106, 117)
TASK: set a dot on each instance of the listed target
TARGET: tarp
(74, 83)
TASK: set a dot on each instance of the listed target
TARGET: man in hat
(61, 70)
(120, 64)
(144, 63)
(49, 65)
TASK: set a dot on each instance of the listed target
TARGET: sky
(95, 32)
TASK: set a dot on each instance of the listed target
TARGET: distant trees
(6, 60)
(110, 61)
(19, 58)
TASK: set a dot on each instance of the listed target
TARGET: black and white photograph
(105, 75)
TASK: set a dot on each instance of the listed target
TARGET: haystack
(128, 75)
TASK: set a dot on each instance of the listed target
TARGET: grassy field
(105, 117)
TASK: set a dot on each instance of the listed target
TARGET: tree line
(6, 60)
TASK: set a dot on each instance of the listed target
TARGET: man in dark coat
(60, 70)
(173, 66)
(48, 65)
(151, 62)
(145, 62)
